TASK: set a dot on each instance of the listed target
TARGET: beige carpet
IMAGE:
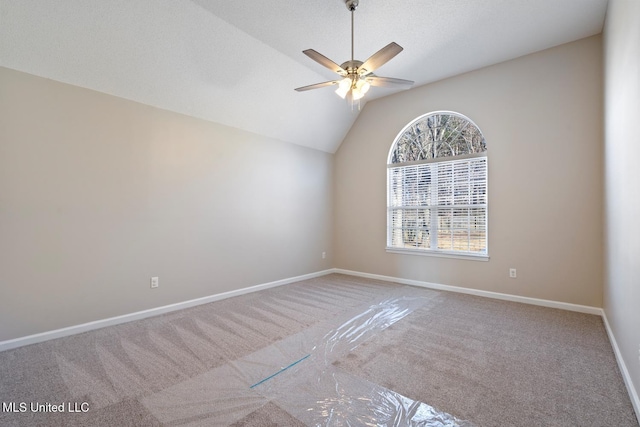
(434, 356)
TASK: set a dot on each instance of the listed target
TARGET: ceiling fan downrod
(352, 5)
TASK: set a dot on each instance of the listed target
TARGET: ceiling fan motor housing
(351, 66)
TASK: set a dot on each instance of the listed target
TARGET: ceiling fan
(357, 76)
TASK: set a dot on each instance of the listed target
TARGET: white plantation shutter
(438, 204)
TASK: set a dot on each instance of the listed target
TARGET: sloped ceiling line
(237, 63)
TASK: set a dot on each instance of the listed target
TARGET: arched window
(437, 187)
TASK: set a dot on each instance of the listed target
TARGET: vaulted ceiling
(237, 62)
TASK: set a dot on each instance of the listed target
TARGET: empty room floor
(334, 350)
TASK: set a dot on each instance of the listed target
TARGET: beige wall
(542, 118)
(622, 181)
(98, 194)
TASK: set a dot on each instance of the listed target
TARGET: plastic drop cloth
(297, 374)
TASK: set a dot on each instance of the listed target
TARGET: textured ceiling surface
(237, 62)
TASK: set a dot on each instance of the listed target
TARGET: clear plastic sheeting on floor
(297, 374)
(332, 397)
(220, 394)
(324, 343)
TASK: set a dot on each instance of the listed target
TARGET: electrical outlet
(324, 255)
(155, 282)
(512, 273)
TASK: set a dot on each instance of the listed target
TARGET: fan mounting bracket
(351, 4)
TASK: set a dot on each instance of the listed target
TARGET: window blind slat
(450, 196)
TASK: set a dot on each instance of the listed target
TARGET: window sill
(439, 254)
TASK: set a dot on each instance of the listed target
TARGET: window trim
(438, 160)
(439, 253)
(435, 252)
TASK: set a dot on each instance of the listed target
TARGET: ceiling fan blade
(317, 85)
(388, 82)
(381, 57)
(323, 60)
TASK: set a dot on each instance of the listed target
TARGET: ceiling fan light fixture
(343, 87)
(358, 94)
(363, 86)
(358, 87)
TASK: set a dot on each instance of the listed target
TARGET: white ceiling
(237, 62)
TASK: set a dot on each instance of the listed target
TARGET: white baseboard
(72, 330)
(633, 393)
(63, 332)
(496, 295)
